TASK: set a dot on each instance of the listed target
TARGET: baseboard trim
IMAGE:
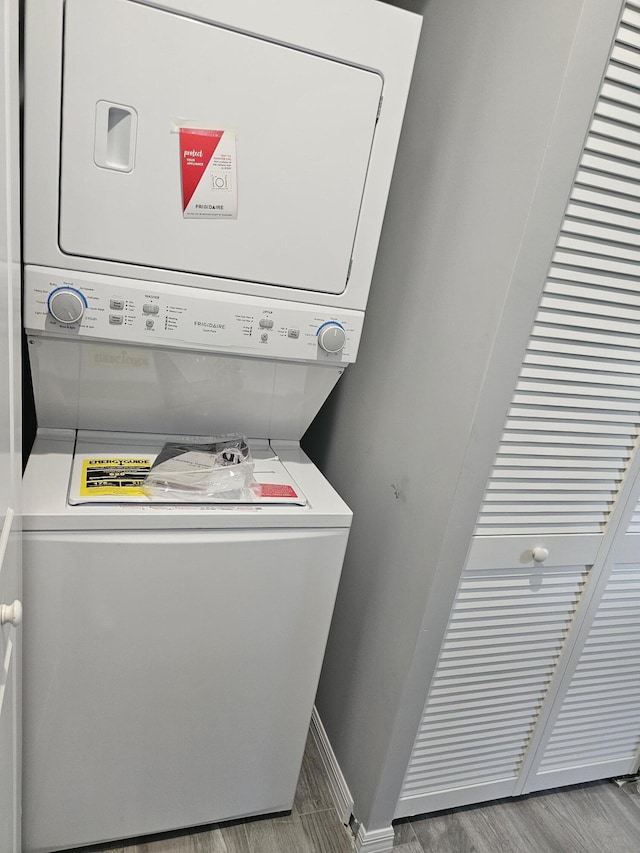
(375, 841)
(340, 793)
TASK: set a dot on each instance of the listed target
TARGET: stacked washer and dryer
(205, 184)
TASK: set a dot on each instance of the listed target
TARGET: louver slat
(622, 55)
(618, 113)
(599, 230)
(486, 694)
(597, 262)
(620, 203)
(630, 16)
(616, 93)
(574, 418)
(587, 249)
(601, 127)
(617, 168)
(603, 144)
(612, 294)
(634, 524)
(600, 715)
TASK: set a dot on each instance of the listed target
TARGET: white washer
(172, 653)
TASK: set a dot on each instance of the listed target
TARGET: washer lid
(106, 470)
(269, 192)
(46, 506)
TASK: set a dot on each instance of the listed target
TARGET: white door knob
(540, 554)
(11, 613)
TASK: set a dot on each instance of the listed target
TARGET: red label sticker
(277, 490)
(196, 150)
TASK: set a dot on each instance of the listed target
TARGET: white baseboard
(375, 841)
(342, 798)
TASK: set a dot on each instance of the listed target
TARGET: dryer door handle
(115, 136)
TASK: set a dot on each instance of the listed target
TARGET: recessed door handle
(115, 136)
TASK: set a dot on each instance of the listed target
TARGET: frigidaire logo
(209, 325)
(121, 359)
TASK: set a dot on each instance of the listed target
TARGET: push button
(266, 324)
(149, 308)
(293, 333)
(116, 304)
(115, 319)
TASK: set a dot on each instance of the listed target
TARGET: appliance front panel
(180, 690)
(82, 305)
(84, 384)
(300, 127)
(118, 354)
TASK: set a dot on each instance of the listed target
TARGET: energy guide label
(122, 475)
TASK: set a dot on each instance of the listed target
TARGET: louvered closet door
(594, 732)
(593, 729)
(506, 628)
(563, 480)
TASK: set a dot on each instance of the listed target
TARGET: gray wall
(410, 432)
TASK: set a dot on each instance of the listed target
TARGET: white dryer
(205, 184)
(309, 97)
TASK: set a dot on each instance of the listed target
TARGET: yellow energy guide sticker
(114, 475)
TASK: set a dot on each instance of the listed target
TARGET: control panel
(84, 305)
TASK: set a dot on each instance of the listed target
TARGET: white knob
(331, 337)
(66, 304)
(540, 554)
(11, 613)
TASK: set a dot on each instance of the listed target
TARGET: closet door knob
(11, 613)
(540, 554)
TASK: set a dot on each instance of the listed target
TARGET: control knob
(331, 337)
(66, 304)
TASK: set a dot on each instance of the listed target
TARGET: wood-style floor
(594, 818)
(312, 826)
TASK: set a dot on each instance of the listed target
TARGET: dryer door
(292, 163)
